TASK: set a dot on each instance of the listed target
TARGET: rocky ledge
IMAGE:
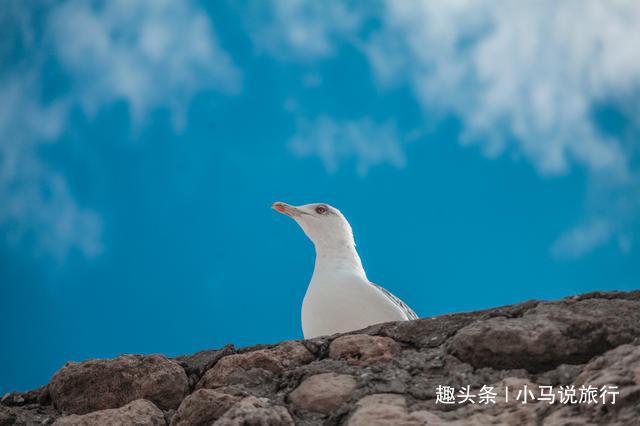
(535, 363)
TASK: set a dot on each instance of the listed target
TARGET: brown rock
(323, 393)
(546, 336)
(196, 364)
(203, 407)
(99, 384)
(139, 412)
(389, 409)
(236, 368)
(255, 411)
(362, 349)
(7, 418)
(618, 367)
(27, 415)
(17, 399)
(592, 339)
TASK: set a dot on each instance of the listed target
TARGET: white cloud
(150, 54)
(523, 77)
(580, 240)
(37, 206)
(299, 28)
(335, 142)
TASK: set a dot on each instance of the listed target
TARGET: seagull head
(322, 223)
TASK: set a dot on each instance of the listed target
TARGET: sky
(485, 153)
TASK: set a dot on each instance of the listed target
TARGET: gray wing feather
(407, 310)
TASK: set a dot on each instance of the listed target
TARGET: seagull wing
(399, 303)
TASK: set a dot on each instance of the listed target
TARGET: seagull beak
(287, 209)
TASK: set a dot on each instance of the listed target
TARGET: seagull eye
(321, 209)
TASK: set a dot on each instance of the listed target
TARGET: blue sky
(484, 154)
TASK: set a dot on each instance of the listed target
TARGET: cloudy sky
(485, 153)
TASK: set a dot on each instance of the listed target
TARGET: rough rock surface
(139, 412)
(98, 384)
(323, 393)
(387, 374)
(204, 406)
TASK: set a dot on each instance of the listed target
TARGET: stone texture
(547, 335)
(389, 409)
(98, 384)
(26, 416)
(255, 366)
(255, 411)
(323, 393)
(203, 407)
(362, 349)
(18, 399)
(386, 374)
(619, 367)
(197, 364)
(139, 412)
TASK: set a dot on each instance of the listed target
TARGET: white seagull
(339, 298)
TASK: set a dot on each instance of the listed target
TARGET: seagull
(339, 298)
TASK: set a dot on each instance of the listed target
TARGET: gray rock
(386, 374)
(548, 335)
(362, 349)
(203, 407)
(30, 414)
(239, 368)
(80, 388)
(195, 365)
(139, 412)
(255, 411)
(323, 393)
(17, 399)
(389, 409)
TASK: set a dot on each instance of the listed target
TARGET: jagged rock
(618, 367)
(385, 374)
(362, 349)
(548, 335)
(17, 399)
(7, 417)
(241, 368)
(195, 365)
(203, 407)
(29, 414)
(255, 411)
(99, 384)
(139, 412)
(323, 393)
(389, 409)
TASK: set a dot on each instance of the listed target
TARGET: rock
(203, 407)
(195, 365)
(18, 399)
(389, 409)
(386, 374)
(100, 384)
(139, 412)
(255, 411)
(362, 349)
(323, 393)
(32, 414)
(7, 418)
(240, 368)
(618, 367)
(546, 336)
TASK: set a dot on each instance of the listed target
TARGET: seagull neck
(341, 257)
